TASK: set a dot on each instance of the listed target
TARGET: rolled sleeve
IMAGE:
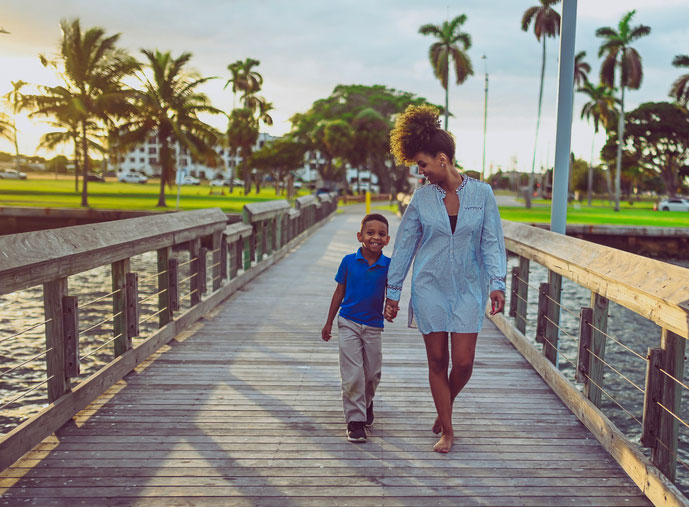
(493, 244)
(406, 244)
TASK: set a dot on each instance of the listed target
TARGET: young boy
(359, 296)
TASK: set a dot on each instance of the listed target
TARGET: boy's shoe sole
(357, 439)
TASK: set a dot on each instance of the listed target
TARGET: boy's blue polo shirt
(364, 288)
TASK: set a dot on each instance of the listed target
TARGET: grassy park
(60, 193)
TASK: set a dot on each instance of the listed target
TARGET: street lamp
(485, 118)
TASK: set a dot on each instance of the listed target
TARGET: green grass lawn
(126, 196)
(47, 192)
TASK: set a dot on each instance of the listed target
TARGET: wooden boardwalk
(245, 409)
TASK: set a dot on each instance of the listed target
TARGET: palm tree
(92, 68)
(6, 127)
(581, 70)
(243, 79)
(451, 44)
(680, 88)
(619, 53)
(58, 102)
(546, 23)
(14, 98)
(168, 107)
(601, 108)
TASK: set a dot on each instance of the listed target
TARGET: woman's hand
(391, 309)
(497, 301)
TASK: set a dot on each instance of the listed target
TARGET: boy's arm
(335, 303)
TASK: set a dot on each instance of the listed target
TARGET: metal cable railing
(24, 331)
(618, 342)
(611, 398)
(25, 393)
(615, 370)
(101, 298)
(10, 370)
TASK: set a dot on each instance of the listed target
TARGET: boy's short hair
(374, 216)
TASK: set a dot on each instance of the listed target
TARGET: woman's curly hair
(417, 130)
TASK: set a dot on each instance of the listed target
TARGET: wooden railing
(656, 290)
(238, 253)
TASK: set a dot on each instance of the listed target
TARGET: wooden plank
(596, 368)
(120, 322)
(163, 258)
(58, 381)
(655, 290)
(653, 394)
(663, 455)
(70, 326)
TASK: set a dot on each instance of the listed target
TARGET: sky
(307, 47)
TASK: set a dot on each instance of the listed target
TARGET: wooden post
(522, 293)
(58, 383)
(119, 307)
(541, 321)
(513, 292)
(235, 252)
(70, 323)
(259, 240)
(217, 255)
(195, 280)
(663, 455)
(552, 332)
(173, 284)
(584, 357)
(132, 305)
(203, 271)
(599, 304)
(164, 286)
(223, 260)
(248, 251)
(653, 394)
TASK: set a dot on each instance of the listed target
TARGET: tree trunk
(16, 144)
(620, 140)
(164, 170)
(447, 90)
(590, 176)
(85, 165)
(76, 164)
(538, 124)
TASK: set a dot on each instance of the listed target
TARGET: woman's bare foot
(437, 428)
(444, 444)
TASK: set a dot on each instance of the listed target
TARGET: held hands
(326, 332)
(391, 309)
(497, 302)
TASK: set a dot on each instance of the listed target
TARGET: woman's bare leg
(438, 360)
(463, 353)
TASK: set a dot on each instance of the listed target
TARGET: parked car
(95, 177)
(220, 183)
(673, 204)
(132, 177)
(12, 174)
(190, 180)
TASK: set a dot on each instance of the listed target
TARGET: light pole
(485, 118)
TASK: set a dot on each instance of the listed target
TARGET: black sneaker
(356, 432)
(369, 416)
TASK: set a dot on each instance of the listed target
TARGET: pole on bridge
(565, 100)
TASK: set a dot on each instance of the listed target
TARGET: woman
(451, 229)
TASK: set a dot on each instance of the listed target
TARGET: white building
(145, 159)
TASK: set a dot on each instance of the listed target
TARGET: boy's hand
(326, 332)
(497, 301)
(391, 309)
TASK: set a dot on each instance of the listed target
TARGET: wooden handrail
(653, 289)
(32, 258)
(265, 210)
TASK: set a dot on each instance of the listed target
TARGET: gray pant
(360, 362)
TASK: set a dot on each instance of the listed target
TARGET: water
(23, 309)
(625, 326)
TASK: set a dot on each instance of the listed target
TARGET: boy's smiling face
(373, 236)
